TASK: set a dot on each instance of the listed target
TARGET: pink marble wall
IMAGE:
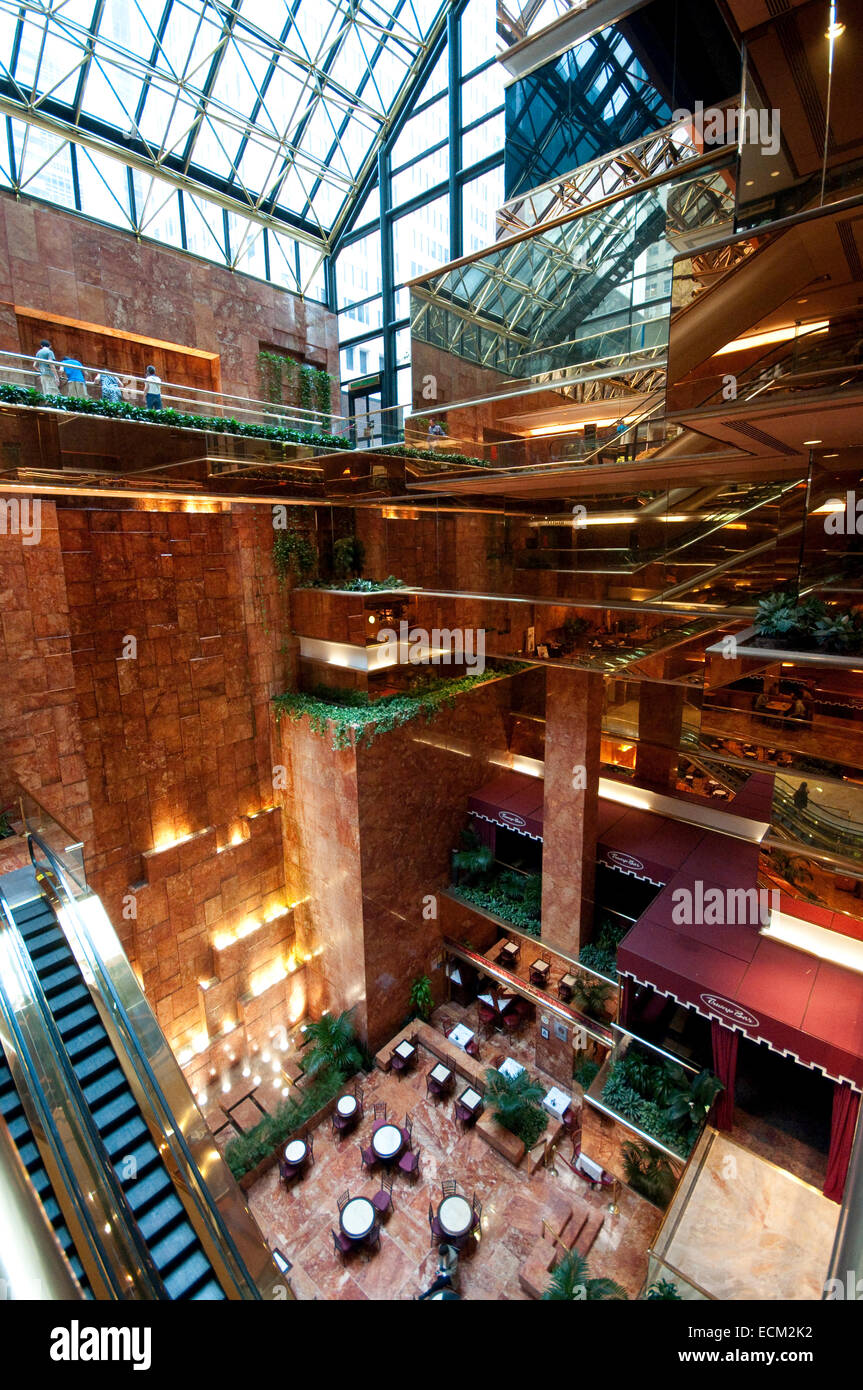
(572, 740)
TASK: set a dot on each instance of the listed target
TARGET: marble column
(572, 739)
(660, 720)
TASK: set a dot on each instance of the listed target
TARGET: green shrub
(355, 719)
(246, 1152)
(515, 1102)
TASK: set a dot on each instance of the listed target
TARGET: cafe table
(295, 1152)
(461, 1036)
(405, 1050)
(511, 1068)
(556, 1102)
(388, 1142)
(357, 1217)
(346, 1106)
(500, 1002)
(455, 1216)
(470, 1099)
(441, 1074)
(567, 985)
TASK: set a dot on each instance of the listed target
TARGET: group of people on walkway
(69, 377)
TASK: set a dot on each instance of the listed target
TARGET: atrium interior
(431, 587)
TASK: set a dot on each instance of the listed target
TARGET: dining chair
(476, 1223)
(342, 1244)
(380, 1115)
(433, 1087)
(383, 1198)
(463, 1115)
(398, 1064)
(368, 1157)
(449, 1186)
(407, 1130)
(409, 1164)
(310, 1149)
(343, 1200)
(358, 1096)
(472, 1048)
(372, 1241)
(512, 1021)
(436, 1229)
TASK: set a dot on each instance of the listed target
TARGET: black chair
(343, 1200)
(380, 1115)
(449, 1186)
(342, 1244)
(407, 1130)
(437, 1231)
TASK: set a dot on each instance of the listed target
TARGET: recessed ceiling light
(774, 173)
(803, 301)
(813, 441)
(831, 456)
(749, 183)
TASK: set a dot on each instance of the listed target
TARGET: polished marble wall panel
(572, 742)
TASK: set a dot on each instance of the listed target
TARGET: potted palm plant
(332, 1046)
(571, 1282)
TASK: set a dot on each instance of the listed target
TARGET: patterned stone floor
(299, 1222)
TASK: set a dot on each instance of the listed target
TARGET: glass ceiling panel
(252, 99)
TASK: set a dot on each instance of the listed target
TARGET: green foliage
(809, 623)
(122, 410)
(601, 954)
(362, 586)
(649, 1172)
(305, 387)
(353, 718)
(585, 1071)
(661, 1098)
(276, 373)
(294, 553)
(515, 1102)
(492, 899)
(321, 389)
(570, 1282)
(332, 1046)
(406, 451)
(422, 999)
(246, 1152)
(474, 859)
(5, 827)
(664, 1288)
(349, 555)
(574, 627)
(591, 996)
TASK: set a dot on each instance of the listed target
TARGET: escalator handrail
(168, 1124)
(90, 1142)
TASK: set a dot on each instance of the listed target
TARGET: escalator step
(90, 1066)
(145, 1191)
(123, 1140)
(208, 1290)
(64, 998)
(77, 1019)
(84, 1043)
(115, 1113)
(160, 1216)
(179, 1243)
(189, 1274)
(54, 979)
(105, 1086)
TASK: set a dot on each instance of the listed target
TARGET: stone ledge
(508, 1145)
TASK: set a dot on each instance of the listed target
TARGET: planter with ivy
(175, 419)
(513, 897)
(352, 719)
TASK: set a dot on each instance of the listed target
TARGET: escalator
(176, 1252)
(15, 1118)
(105, 1148)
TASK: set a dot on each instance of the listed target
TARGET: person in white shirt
(152, 390)
(49, 383)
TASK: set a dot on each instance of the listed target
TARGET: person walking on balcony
(152, 390)
(73, 371)
(109, 386)
(46, 368)
(801, 796)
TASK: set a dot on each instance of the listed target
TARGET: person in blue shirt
(73, 371)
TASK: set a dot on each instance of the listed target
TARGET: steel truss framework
(274, 110)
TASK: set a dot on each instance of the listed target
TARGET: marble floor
(742, 1228)
(299, 1222)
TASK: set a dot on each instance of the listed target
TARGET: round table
(295, 1152)
(387, 1141)
(357, 1217)
(347, 1106)
(455, 1215)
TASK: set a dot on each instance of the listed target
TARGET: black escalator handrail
(172, 1134)
(96, 1153)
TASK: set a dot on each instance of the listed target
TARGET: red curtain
(846, 1107)
(725, 1066)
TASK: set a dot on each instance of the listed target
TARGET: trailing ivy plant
(123, 410)
(354, 719)
(305, 387)
(276, 374)
(321, 385)
(294, 553)
(360, 586)
(349, 556)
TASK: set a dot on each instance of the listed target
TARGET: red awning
(513, 801)
(806, 1008)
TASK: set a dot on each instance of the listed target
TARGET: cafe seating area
(373, 1230)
